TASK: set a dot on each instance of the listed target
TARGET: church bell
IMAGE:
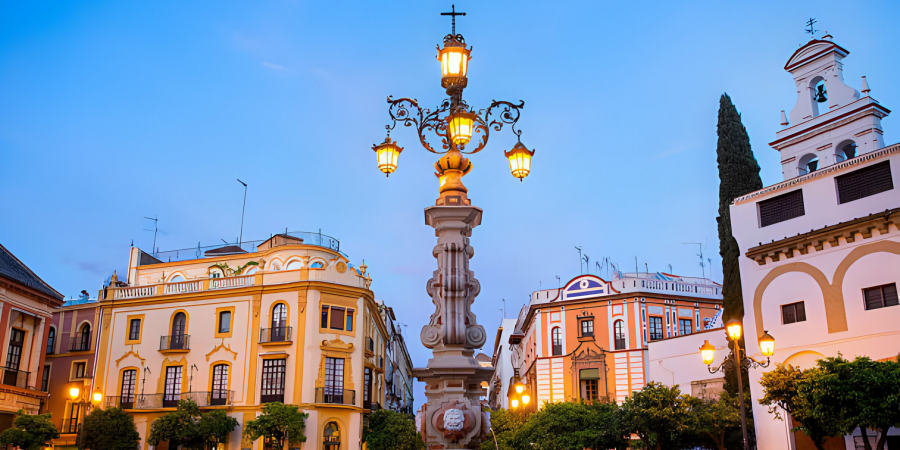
(820, 94)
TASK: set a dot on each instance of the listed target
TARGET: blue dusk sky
(112, 111)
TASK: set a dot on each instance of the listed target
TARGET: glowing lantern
(454, 58)
(519, 160)
(707, 351)
(461, 125)
(733, 327)
(388, 154)
(74, 392)
(526, 399)
(767, 344)
(98, 396)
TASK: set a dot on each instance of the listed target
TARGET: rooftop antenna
(670, 269)
(646, 268)
(580, 260)
(504, 308)
(244, 208)
(702, 265)
(558, 282)
(587, 263)
(155, 229)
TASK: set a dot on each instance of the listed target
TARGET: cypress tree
(738, 175)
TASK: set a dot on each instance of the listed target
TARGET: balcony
(335, 396)
(157, 401)
(69, 426)
(275, 335)
(14, 377)
(178, 343)
(80, 342)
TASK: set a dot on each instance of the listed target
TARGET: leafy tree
(659, 415)
(29, 432)
(572, 426)
(712, 419)
(278, 422)
(109, 429)
(738, 175)
(190, 428)
(389, 430)
(866, 392)
(806, 396)
(214, 428)
(505, 424)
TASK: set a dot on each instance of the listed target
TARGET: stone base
(453, 382)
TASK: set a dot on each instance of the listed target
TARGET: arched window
(294, 265)
(331, 438)
(85, 338)
(177, 340)
(846, 150)
(176, 279)
(557, 341)
(808, 163)
(216, 273)
(819, 94)
(279, 323)
(619, 334)
(219, 394)
(51, 340)
(316, 265)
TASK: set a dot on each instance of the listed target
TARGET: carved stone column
(452, 416)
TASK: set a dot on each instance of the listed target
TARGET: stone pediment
(813, 50)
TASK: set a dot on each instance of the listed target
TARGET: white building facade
(820, 251)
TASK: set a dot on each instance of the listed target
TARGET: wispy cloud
(274, 66)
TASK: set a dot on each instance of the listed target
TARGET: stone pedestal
(452, 417)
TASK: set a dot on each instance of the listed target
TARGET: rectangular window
(134, 330)
(172, 394)
(590, 390)
(14, 351)
(219, 394)
(781, 208)
(45, 379)
(864, 182)
(795, 312)
(684, 326)
(656, 328)
(337, 318)
(273, 374)
(881, 296)
(129, 379)
(334, 381)
(587, 328)
(224, 321)
(79, 369)
(367, 388)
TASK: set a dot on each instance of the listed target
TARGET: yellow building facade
(233, 329)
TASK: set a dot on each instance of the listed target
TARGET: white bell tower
(830, 122)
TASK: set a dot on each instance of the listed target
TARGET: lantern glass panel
(461, 129)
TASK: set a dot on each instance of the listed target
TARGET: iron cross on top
(453, 14)
(810, 28)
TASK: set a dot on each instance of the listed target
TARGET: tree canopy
(278, 422)
(109, 429)
(572, 426)
(193, 430)
(389, 430)
(30, 432)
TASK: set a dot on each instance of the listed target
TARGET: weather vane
(453, 14)
(810, 29)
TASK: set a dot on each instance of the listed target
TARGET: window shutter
(864, 182)
(781, 208)
(889, 293)
(873, 298)
(787, 314)
(801, 312)
(337, 318)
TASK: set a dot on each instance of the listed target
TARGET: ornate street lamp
(453, 417)
(737, 360)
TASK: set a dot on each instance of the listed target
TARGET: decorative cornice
(222, 346)
(839, 167)
(131, 352)
(860, 228)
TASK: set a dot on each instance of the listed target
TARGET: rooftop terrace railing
(309, 238)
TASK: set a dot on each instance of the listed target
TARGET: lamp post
(521, 396)
(737, 360)
(75, 393)
(452, 414)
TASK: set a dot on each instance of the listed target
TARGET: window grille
(864, 182)
(781, 208)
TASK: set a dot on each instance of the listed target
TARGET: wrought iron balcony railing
(216, 397)
(175, 342)
(335, 396)
(15, 377)
(277, 334)
(80, 342)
